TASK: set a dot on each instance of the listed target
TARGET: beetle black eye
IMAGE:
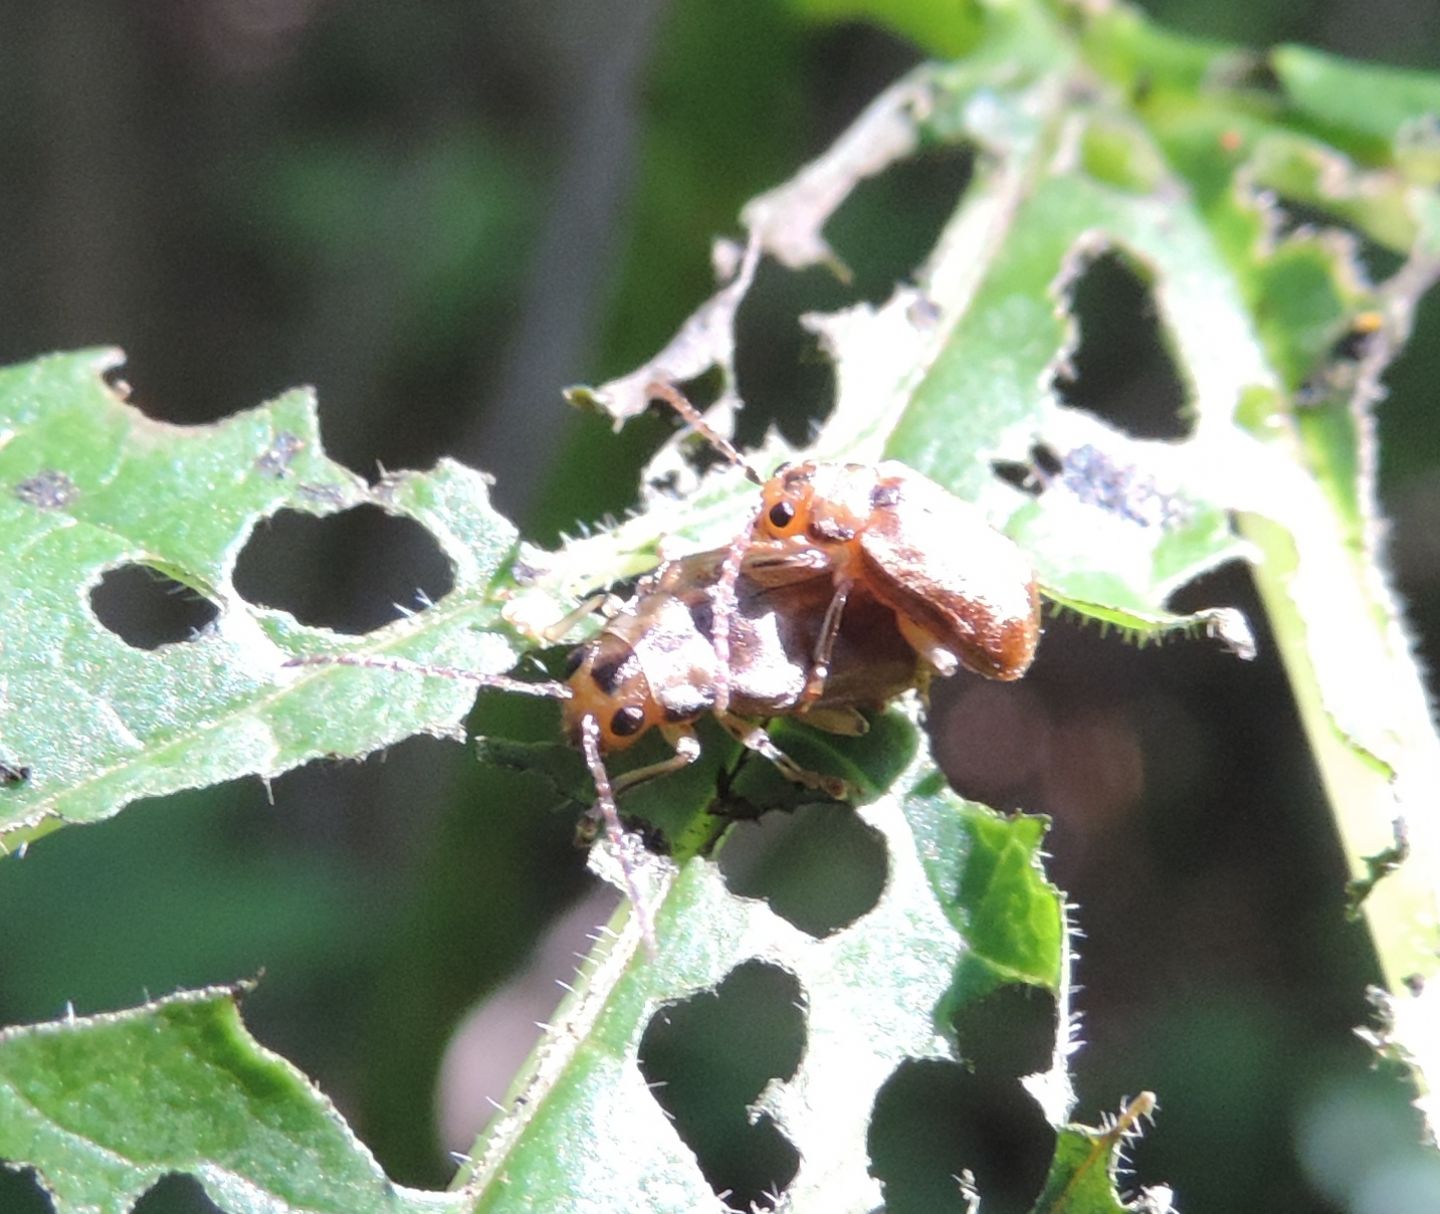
(627, 721)
(782, 514)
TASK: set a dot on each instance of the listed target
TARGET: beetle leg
(687, 750)
(754, 737)
(843, 720)
(824, 647)
(608, 605)
(614, 830)
(772, 563)
(723, 613)
(923, 642)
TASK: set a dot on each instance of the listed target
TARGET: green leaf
(941, 27)
(90, 485)
(1082, 1178)
(945, 932)
(1368, 98)
(102, 1107)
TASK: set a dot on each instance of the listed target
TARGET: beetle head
(606, 682)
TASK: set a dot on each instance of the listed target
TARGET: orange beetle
(963, 594)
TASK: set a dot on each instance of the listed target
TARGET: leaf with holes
(1206, 171)
(963, 910)
(1096, 136)
(90, 486)
(103, 1107)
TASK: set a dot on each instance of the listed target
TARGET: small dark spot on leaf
(1017, 475)
(275, 460)
(47, 490)
(322, 495)
(1359, 337)
(708, 1057)
(1339, 375)
(1047, 463)
(12, 774)
(146, 608)
(1245, 71)
(669, 483)
(1032, 477)
(353, 572)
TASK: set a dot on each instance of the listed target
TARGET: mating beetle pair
(849, 585)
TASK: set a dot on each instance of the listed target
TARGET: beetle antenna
(614, 831)
(549, 689)
(672, 396)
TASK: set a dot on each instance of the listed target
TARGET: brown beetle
(963, 594)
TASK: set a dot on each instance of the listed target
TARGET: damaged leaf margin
(99, 723)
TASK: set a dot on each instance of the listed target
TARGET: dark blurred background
(439, 215)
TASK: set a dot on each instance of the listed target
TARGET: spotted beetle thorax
(607, 682)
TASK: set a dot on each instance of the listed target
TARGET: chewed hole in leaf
(890, 223)
(934, 1120)
(820, 868)
(1011, 1031)
(783, 377)
(20, 1192)
(176, 1194)
(1121, 370)
(1409, 438)
(147, 609)
(1293, 216)
(351, 572)
(709, 1057)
